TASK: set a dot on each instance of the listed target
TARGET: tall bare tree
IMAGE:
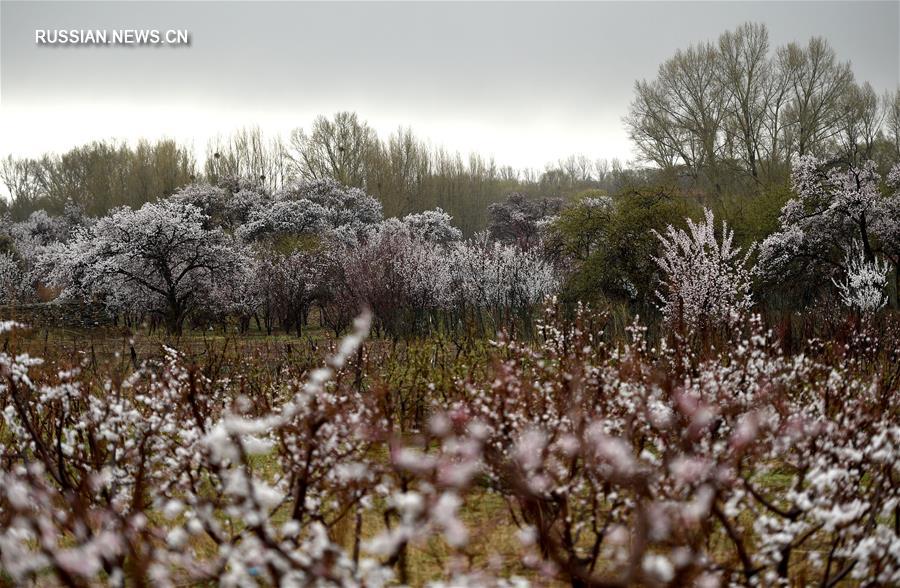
(97, 176)
(397, 170)
(745, 74)
(249, 156)
(861, 122)
(22, 179)
(678, 118)
(817, 83)
(892, 120)
(337, 149)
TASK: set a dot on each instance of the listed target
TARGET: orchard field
(351, 361)
(570, 457)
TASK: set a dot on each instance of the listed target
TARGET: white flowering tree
(832, 210)
(519, 220)
(391, 269)
(489, 275)
(414, 272)
(235, 294)
(887, 225)
(159, 259)
(343, 206)
(288, 286)
(433, 225)
(863, 286)
(706, 281)
(29, 236)
(307, 208)
(15, 285)
(283, 217)
(223, 207)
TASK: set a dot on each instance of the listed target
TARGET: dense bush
(608, 244)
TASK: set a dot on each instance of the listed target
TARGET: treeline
(96, 177)
(402, 171)
(731, 114)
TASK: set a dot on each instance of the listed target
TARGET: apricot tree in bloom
(487, 274)
(223, 207)
(390, 268)
(706, 281)
(863, 286)
(433, 225)
(311, 208)
(158, 259)
(343, 206)
(832, 209)
(283, 217)
(15, 285)
(887, 224)
(288, 285)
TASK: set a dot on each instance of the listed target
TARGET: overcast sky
(526, 83)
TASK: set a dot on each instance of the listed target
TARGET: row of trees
(211, 255)
(719, 112)
(407, 174)
(96, 177)
(402, 171)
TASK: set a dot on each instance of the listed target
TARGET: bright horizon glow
(530, 146)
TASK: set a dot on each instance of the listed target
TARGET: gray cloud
(526, 82)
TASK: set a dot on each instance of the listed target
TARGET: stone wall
(57, 314)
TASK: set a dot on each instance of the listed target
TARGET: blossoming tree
(706, 282)
(159, 259)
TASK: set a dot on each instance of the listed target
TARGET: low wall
(57, 314)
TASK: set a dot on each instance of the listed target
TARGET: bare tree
(22, 179)
(777, 98)
(678, 118)
(577, 167)
(248, 156)
(817, 83)
(397, 170)
(892, 120)
(745, 73)
(861, 122)
(97, 176)
(601, 169)
(337, 149)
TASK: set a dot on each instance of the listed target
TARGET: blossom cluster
(707, 282)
